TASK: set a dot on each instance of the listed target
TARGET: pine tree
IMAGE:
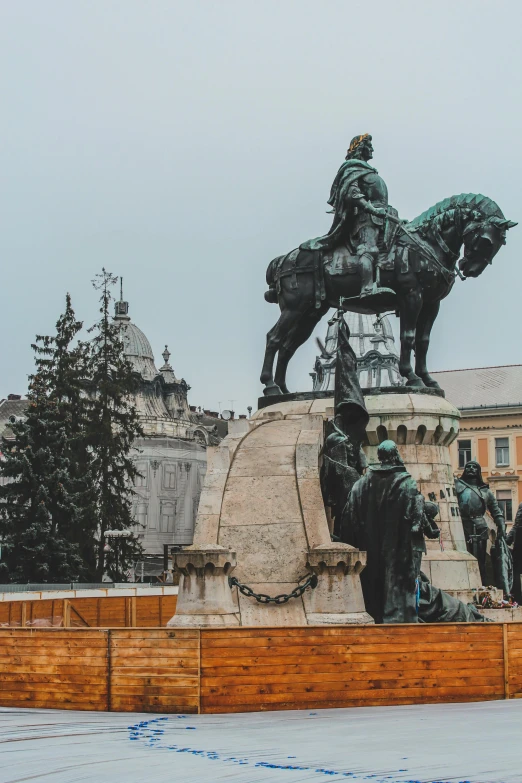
(113, 426)
(41, 508)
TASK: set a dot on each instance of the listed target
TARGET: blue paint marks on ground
(151, 732)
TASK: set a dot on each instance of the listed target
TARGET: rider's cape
(348, 174)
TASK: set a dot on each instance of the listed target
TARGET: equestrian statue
(371, 261)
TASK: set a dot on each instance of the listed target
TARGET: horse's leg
(426, 319)
(410, 305)
(279, 339)
(272, 346)
(302, 331)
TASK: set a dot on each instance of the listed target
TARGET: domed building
(171, 457)
(374, 344)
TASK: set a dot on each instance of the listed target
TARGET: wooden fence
(252, 669)
(107, 611)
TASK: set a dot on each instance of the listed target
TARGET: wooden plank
(156, 633)
(77, 689)
(153, 644)
(146, 671)
(358, 631)
(28, 667)
(109, 671)
(49, 643)
(350, 676)
(347, 658)
(263, 670)
(140, 691)
(361, 694)
(49, 633)
(315, 638)
(154, 679)
(325, 649)
(369, 702)
(506, 660)
(136, 703)
(353, 687)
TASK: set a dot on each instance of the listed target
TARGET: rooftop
(482, 387)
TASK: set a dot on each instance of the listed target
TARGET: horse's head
(483, 237)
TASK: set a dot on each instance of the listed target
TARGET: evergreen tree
(41, 508)
(113, 425)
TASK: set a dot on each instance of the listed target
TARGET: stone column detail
(205, 597)
(338, 597)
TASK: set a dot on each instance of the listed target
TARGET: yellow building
(490, 402)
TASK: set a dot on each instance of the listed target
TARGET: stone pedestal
(204, 596)
(262, 500)
(423, 424)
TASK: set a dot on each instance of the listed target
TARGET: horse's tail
(271, 294)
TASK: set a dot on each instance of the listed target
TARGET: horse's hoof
(272, 390)
(431, 383)
(416, 383)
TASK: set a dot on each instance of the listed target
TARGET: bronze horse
(420, 267)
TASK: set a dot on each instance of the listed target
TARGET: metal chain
(262, 598)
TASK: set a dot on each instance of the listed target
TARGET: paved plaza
(476, 743)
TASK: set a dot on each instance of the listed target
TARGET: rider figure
(359, 198)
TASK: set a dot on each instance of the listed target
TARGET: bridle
(425, 250)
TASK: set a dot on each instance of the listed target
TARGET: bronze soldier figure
(359, 198)
(474, 499)
(343, 458)
(515, 537)
(383, 517)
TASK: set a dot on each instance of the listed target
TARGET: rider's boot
(367, 281)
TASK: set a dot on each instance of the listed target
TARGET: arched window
(421, 434)
(382, 433)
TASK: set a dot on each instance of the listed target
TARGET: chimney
(242, 415)
(14, 396)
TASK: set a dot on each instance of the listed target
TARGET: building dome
(135, 345)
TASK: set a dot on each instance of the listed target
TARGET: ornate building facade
(490, 403)
(171, 457)
(374, 345)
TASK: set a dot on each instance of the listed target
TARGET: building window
(141, 515)
(169, 476)
(141, 479)
(505, 502)
(464, 452)
(501, 452)
(168, 512)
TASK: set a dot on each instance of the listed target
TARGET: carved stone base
(205, 597)
(350, 618)
(338, 597)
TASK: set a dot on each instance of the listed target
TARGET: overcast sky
(185, 143)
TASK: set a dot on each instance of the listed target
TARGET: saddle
(343, 260)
